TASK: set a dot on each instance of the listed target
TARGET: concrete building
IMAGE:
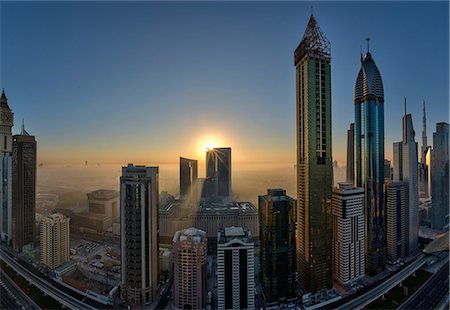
(351, 153)
(277, 221)
(188, 175)
(348, 233)
(440, 177)
(235, 269)
(6, 124)
(218, 173)
(23, 190)
(312, 60)
(396, 203)
(139, 233)
(369, 158)
(190, 261)
(55, 240)
(105, 202)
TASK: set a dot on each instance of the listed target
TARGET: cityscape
(224, 155)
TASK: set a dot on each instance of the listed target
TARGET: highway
(21, 298)
(375, 293)
(43, 284)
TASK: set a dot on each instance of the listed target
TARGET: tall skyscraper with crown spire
(6, 124)
(425, 152)
(369, 158)
(314, 159)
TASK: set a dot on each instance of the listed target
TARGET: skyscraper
(190, 260)
(406, 170)
(188, 175)
(396, 205)
(55, 240)
(6, 124)
(351, 153)
(369, 158)
(440, 177)
(235, 269)
(424, 177)
(139, 233)
(314, 159)
(277, 219)
(218, 172)
(348, 233)
(23, 190)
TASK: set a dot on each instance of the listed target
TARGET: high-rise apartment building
(190, 260)
(440, 177)
(314, 159)
(188, 175)
(139, 233)
(23, 190)
(369, 158)
(218, 172)
(351, 153)
(396, 205)
(55, 240)
(6, 124)
(348, 233)
(235, 269)
(277, 220)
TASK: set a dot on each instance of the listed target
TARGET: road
(366, 298)
(12, 289)
(44, 284)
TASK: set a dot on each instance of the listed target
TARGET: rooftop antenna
(368, 39)
(360, 53)
(311, 10)
(404, 121)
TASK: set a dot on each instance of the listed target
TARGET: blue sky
(150, 81)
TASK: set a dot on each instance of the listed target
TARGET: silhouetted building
(396, 205)
(277, 219)
(348, 233)
(190, 277)
(314, 167)
(218, 173)
(369, 158)
(139, 233)
(23, 190)
(424, 168)
(188, 175)
(55, 240)
(440, 177)
(387, 170)
(351, 153)
(105, 202)
(6, 124)
(235, 269)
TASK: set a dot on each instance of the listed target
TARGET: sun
(208, 142)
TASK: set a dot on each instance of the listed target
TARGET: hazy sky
(149, 82)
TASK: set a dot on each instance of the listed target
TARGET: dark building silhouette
(188, 175)
(23, 190)
(218, 173)
(351, 154)
(277, 218)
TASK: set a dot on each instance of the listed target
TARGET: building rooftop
(237, 207)
(103, 194)
(369, 80)
(192, 234)
(230, 233)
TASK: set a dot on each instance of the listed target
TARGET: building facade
(440, 177)
(55, 240)
(188, 175)
(277, 221)
(314, 159)
(348, 233)
(218, 172)
(235, 269)
(351, 153)
(139, 233)
(396, 205)
(369, 158)
(104, 202)
(190, 278)
(23, 190)
(424, 171)
(6, 124)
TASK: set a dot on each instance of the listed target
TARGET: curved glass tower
(369, 158)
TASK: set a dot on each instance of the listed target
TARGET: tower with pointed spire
(425, 152)
(312, 60)
(6, 124)
(369, 158)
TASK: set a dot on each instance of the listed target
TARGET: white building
(139, 233)
(348, 233)
(235, 269)
(55, 240)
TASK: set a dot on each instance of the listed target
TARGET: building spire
(368, 50)
(424, 135)
(404, 120)
(24, 132)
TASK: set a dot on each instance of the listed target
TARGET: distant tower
(348, 233)
(55, 240)
(6, 124)
(139, 236)
(440, 177)
(190, 277)
(424, 135)
(396, 204)
(24, 164)
(277, 220)
(351, 154)
(235, 269)
(424, 177)
(369, 158)
(218, 172)
(188, 175)
(314, 159)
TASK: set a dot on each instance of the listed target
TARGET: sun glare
(208, 143)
